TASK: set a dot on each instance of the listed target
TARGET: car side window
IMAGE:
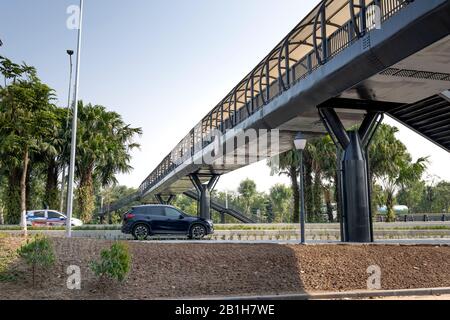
(172, 213)
(157, 211)
(54, 215)
(39, 214)
(149, 210)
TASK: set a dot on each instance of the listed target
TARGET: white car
(49, 218)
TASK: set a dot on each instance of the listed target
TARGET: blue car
(144, 221)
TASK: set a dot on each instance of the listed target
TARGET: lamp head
(70, 52)
(300, 141)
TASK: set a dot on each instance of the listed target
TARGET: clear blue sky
(161, 64)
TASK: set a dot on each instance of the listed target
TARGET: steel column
(204, 192)
(353, 174)
(356, 192)
(161, 200)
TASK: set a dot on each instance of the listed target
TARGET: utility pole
(73, 143)
(63, 175)
(300, 144)
(226, 199)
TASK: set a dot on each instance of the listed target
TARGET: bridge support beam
(354, 174)
(204, 192)
(161, 200)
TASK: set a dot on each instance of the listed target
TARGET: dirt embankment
(191, 270)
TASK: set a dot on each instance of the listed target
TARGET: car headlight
(210, 222)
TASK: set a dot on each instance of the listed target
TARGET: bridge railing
(330, 28)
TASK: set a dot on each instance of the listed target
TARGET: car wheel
(141, 232)
(197, 232)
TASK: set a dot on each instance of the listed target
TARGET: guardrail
(330, 28)
(426, 217)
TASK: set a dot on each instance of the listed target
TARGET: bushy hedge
(114, 263)
(37, 253)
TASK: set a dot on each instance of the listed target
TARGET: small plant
(37, 253)
(114, 263)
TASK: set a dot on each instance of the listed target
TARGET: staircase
(429, 117)
(219, 207)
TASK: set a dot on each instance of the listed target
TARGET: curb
(337, 295)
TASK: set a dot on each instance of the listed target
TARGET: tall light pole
(73, 142)
(63, 177)
(300, 144)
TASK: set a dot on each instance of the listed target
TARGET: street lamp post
(63, 178)
(300, 144)
(74, 132)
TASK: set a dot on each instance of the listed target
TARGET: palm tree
(321, 153)
(320, 163)
(103, 150)
(25, 121)
(289, 164)
(392, 165)
(51, 160)
(247, 190)
(280, 196)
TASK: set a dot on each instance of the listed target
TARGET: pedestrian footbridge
(346, 63)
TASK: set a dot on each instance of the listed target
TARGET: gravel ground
(163, 270)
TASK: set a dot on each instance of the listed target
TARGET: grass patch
(423, 228)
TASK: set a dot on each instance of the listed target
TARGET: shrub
(114, 263)
(37, 253)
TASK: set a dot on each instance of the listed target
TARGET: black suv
(144, 221)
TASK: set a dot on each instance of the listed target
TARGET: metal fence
(418, 218)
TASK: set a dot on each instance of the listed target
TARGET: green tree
(247, 191)
(435, 198)
(26, 119)
(186, 204)
(392, 165)
(38, 253)
(114, 263)
(411, 195)
(258, 205)
(108, 196)
(104, 143)
(289, 164)
(54, 158)
(321, 156)
(442, 197)
(319, 176)
(281, 198)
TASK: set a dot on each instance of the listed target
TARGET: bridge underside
(418, 77)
